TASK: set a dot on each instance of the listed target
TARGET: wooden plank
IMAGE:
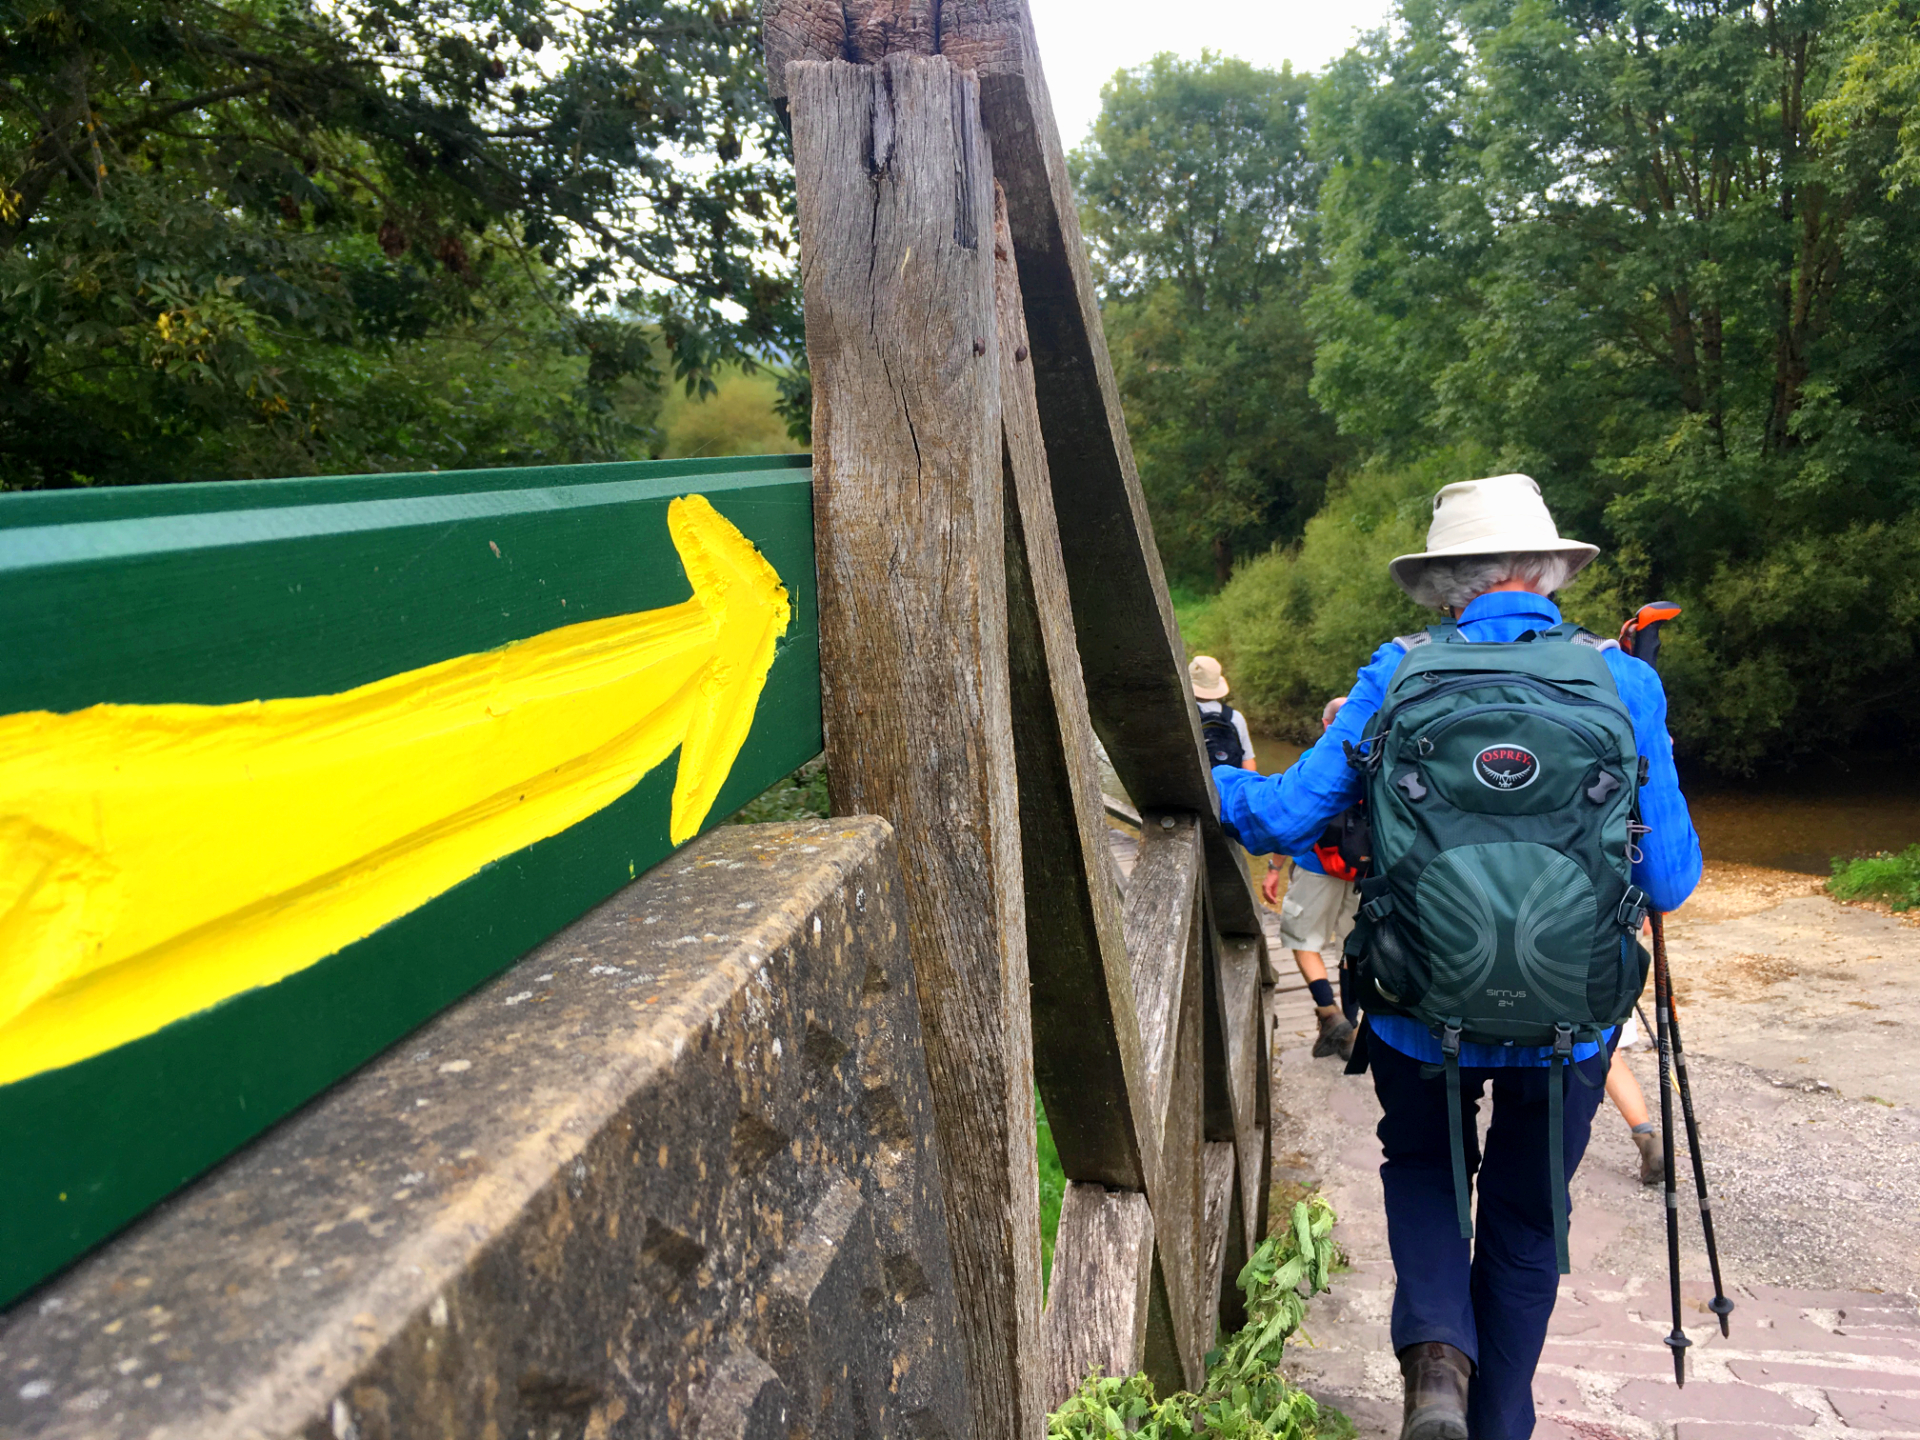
(1160, 930)
(1220, 1119)
(1135, 669)
(1247, 1062)
(1220, 1240)
(1086, 1034)
(1164, 944)
(896, 220)
(1096, 1320)
(216, 596)
(1178, 1198)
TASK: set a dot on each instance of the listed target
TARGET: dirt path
(1801, 1018)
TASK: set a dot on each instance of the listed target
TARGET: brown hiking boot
(1336, 1036)
(1653, 1166)
(1436, 1376)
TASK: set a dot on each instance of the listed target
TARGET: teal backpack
(1502, 783)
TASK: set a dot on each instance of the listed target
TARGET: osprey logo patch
(1506, 767)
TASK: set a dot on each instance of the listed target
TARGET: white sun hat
(1208, 682)
(1501, 515)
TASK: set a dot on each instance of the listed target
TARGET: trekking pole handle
(1640, 636)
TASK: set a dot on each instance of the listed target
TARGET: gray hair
(1454, 583)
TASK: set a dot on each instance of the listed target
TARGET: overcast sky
(1082, 42)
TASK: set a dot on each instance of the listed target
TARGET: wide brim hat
(1500, 515)
(1208, 681)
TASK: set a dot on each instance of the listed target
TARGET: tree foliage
(1661, 255)
(272, 236)
(1197, 197)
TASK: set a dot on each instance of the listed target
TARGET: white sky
(1082, 42)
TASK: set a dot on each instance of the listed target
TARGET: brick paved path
(1800, 1362)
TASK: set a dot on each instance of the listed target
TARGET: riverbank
(1800, 1013)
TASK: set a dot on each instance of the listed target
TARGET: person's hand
(1270, 887)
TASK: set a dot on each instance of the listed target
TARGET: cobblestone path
(1805, 1359)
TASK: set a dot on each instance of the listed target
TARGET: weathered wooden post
(896, 225)
(958, 368)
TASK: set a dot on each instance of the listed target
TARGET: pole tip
(1678, 1343)
(1723, 1307)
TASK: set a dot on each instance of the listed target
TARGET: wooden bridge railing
(990, 599)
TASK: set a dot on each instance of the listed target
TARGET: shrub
(1794, 650)
(1294, 625)
(800, 796)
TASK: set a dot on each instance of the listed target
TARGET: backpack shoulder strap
(1575, 635)
(1443, 632)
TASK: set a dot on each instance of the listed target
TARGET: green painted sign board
(217, 594)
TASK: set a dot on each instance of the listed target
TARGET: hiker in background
(1623, 1089)
(1470, 1315)
(1314, 921)
(1223, 728)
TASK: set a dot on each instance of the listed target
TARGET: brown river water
(1792, 822)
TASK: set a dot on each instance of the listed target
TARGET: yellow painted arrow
(156, 859)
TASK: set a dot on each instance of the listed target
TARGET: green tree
(1197, 198)
(1658, 256)
(297, 237)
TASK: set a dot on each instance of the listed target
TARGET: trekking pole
(1720, 1304)
(1662, 995)
(1641, 636)
(1645, 642)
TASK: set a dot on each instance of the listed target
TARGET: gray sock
(1645, 1127)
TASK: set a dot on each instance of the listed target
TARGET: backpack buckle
(1563, 1042)
(1450, 1041)
(1365, 761)
(1378, 908)
(1633, 909)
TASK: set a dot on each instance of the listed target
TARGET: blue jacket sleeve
(1670, 860)
(1284, 814)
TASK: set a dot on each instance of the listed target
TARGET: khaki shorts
(1317, 913)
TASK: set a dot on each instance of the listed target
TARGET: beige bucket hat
(1208, 681)
(1500, 515)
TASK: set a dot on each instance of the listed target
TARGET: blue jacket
(1286, 813)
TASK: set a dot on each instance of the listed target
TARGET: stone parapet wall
(672, 1174)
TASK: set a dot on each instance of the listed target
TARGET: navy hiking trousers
(1491, 1296)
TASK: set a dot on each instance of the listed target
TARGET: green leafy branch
(1245, 1396)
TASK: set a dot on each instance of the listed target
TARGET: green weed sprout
(1245, 1396)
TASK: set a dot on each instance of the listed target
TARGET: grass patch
(1890, 877)
(1053, 1189)
(800, 796)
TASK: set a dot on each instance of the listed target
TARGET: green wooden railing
(288, 766)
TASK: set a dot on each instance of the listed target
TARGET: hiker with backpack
(1223, 729)
(1525, 813)
(1314, 921)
